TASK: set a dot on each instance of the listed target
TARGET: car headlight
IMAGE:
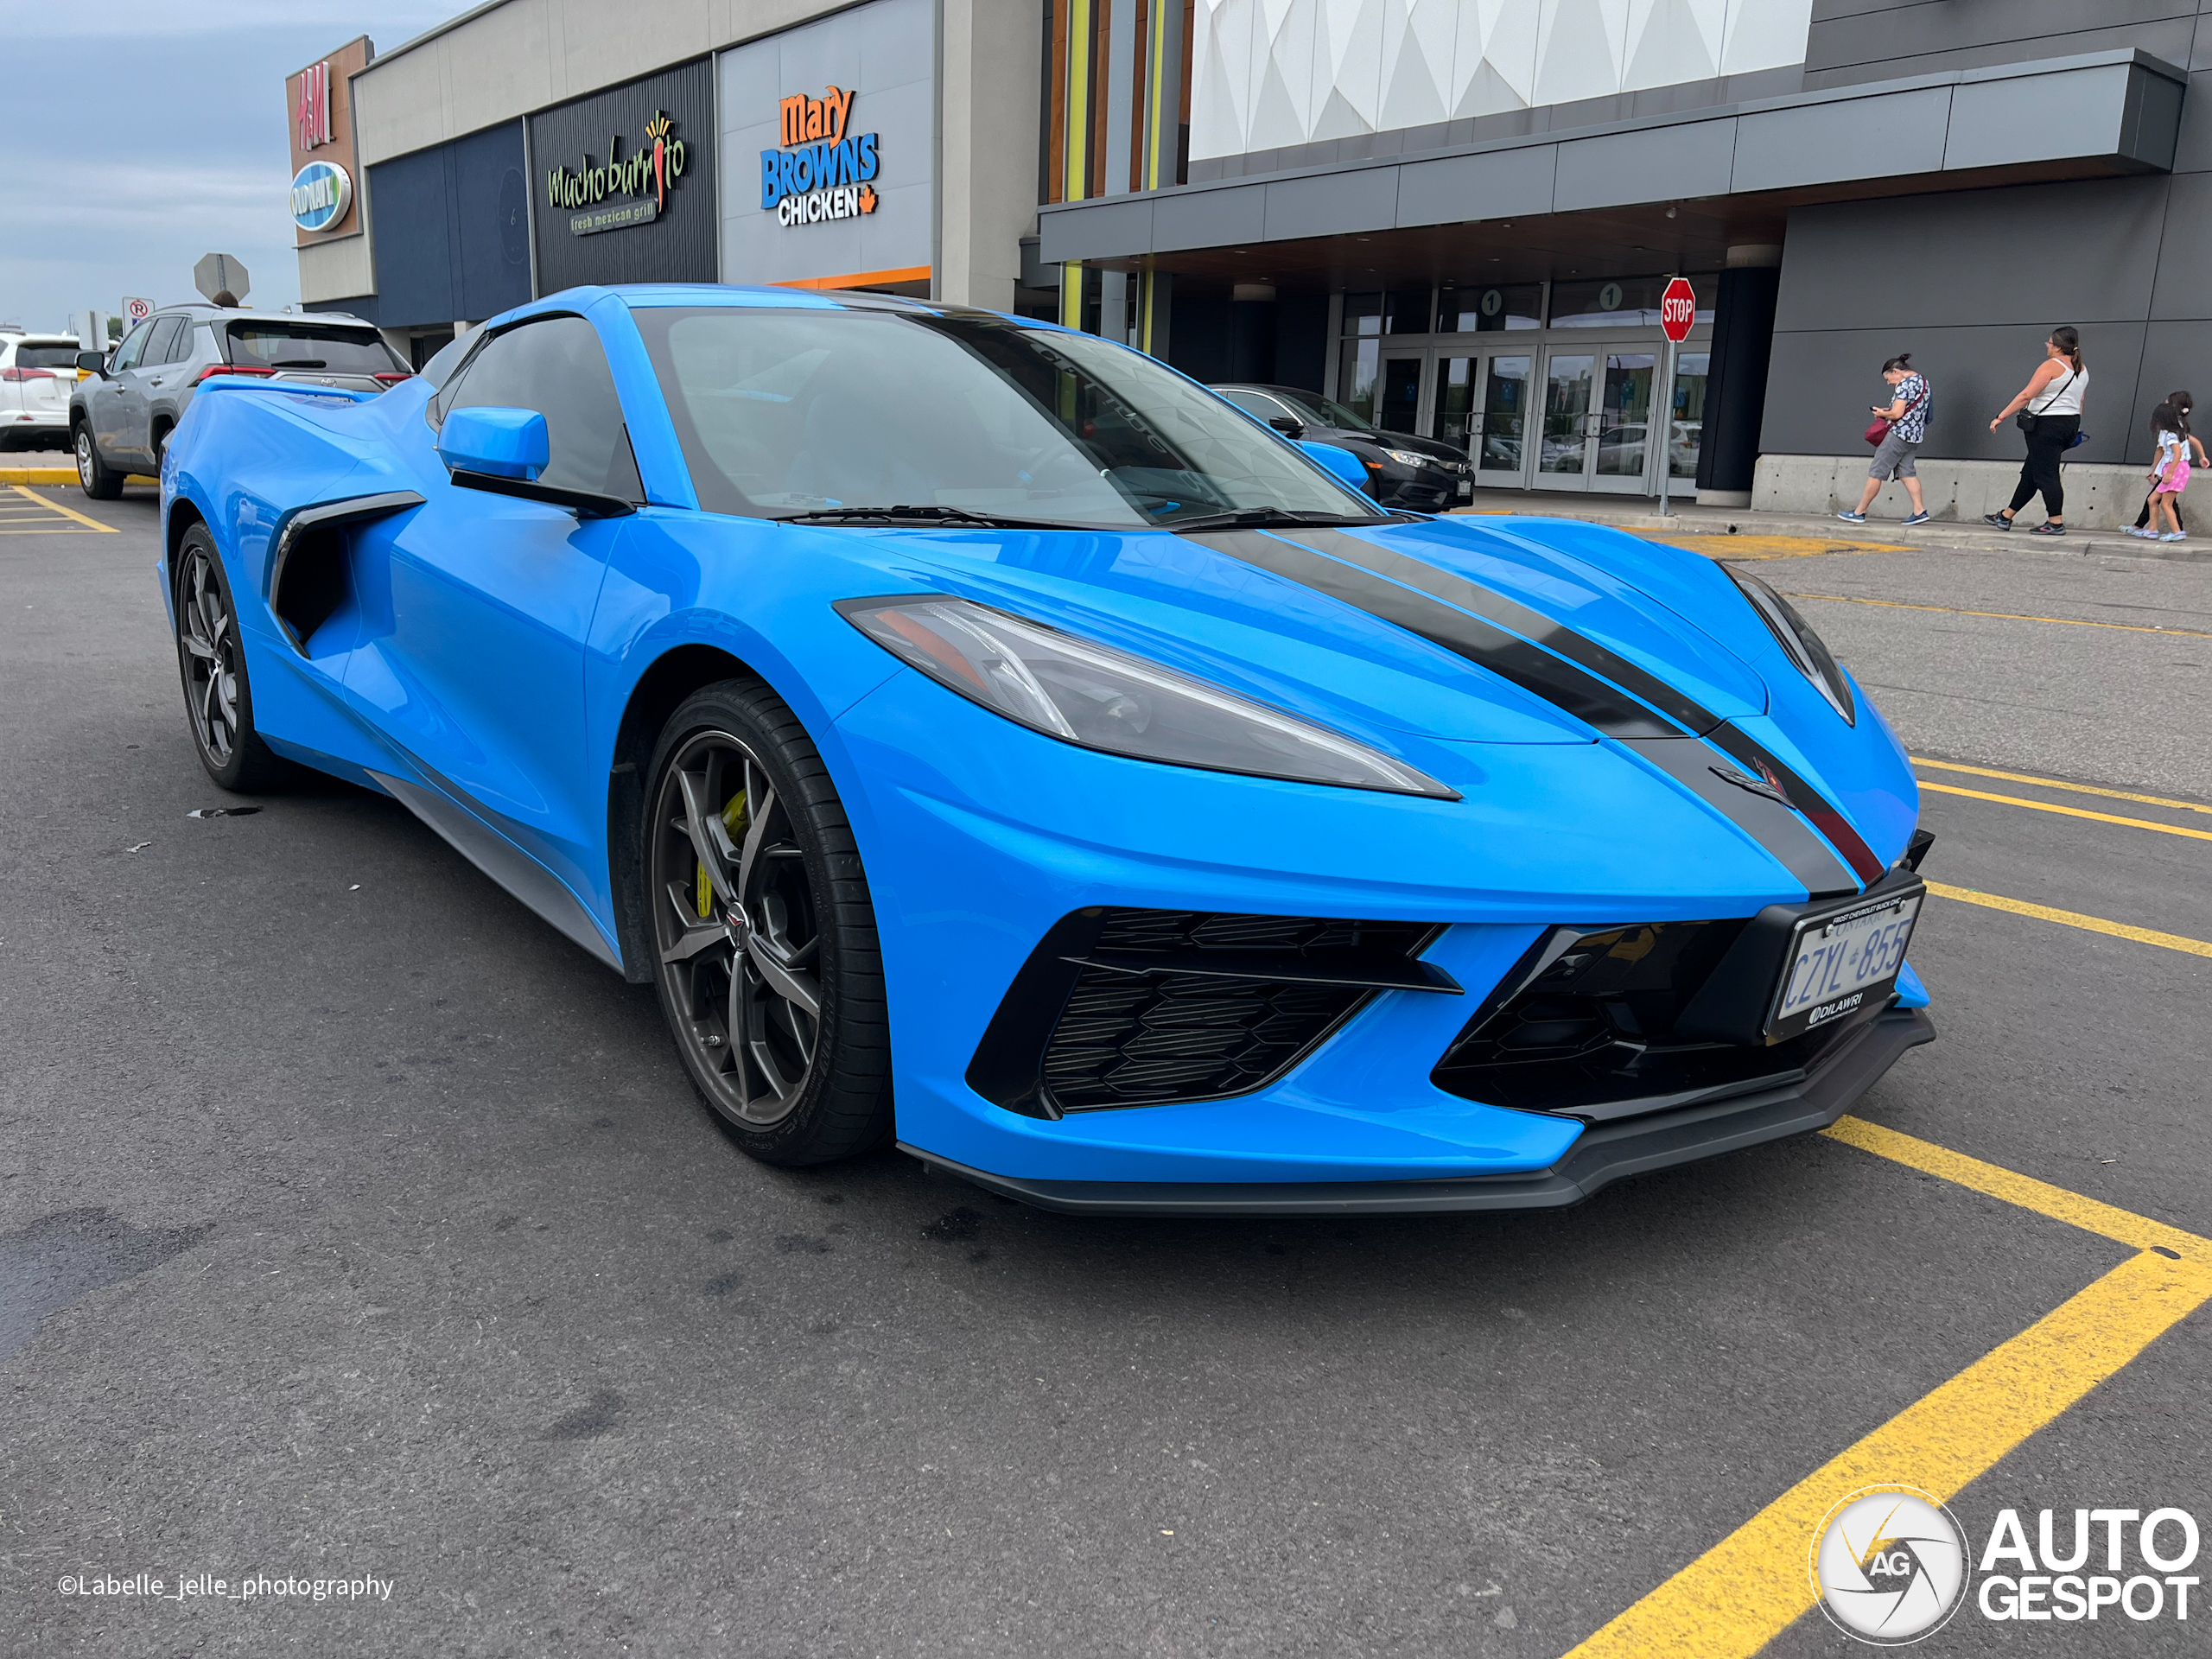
(1799, 643)
(1408, 458)
(1096, 698)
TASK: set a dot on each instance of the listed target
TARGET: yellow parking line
(2054, 783)
(1747, 1589)
(2069, 811)
(2007, 616)
(1753, 1585)
(67, 513)
(2022, 1189)
(2074, 918)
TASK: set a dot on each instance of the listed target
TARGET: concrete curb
(58, 475)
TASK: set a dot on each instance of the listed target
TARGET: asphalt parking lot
(354, 1224)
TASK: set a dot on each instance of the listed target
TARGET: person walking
(2185, 404)
(2050, 411)
(2169, 476)
(1906, 418)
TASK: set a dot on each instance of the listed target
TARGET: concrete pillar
(987, 161)
(1735, 391)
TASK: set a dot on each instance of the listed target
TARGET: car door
(475, 607)
(137, 385)
(167, 371)
(108, 399)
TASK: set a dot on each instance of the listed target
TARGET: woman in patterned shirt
(1907, 416)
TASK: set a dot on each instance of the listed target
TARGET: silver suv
(122, 414)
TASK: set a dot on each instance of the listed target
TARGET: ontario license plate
(1466, 489)
(1841, 961)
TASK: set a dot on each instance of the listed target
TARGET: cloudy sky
(140, 134)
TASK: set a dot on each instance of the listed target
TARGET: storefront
(1457, 224)
(511, 153)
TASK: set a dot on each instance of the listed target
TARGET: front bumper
(1602, 1154)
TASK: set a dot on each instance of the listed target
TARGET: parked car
(1402, 470)
(36, 372)
(121, 415)
(986, 738)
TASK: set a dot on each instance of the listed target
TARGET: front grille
(1585, 1025)
(1136, 1008)
(1129, 1041)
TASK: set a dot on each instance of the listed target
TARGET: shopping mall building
(1454, 216)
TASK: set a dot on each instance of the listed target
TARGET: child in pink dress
(2170, 477)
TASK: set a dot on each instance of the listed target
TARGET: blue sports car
(987, 739)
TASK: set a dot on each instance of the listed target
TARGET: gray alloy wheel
(94, 476)
(768, 964)
(218, 704)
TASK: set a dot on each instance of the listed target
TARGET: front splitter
(1606, 1153)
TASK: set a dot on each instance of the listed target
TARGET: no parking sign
(136, 311)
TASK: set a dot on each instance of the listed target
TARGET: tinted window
(161, 347)
(62, 356)
(126, 355)
(1261, 405)
(555, 365)
(282, 345)
(807, 409)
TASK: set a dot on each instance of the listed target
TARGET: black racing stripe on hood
(1776, 828)
(1493, 607)
(1561, 683)
(1380, 584)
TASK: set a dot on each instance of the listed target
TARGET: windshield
(1329, 412)
(41, 354)
(789, 411)
(304, 346)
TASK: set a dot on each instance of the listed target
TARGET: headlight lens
(1799, 643)
(1409, 458)
(1096, 698)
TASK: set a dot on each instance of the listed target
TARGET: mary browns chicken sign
(818, 171)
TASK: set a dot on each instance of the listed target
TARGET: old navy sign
(818, 173)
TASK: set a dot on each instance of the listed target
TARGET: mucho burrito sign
(641, 180)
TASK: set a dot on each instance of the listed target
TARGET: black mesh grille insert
(1136, 1007)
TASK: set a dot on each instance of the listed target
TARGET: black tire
(210, 658)
(787, 922)
(94, 476)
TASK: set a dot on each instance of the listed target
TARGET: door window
(1686, 437)
(1505, 414)
(1263, 407)
(134, 346)
(1454, 401)
(1623, 430)
(555, 365)
(161, 344)
(1567, 401)
(1398, 407)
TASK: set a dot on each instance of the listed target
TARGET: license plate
(1466, 489)
(1839, 963)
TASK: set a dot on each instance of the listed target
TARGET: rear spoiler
(292, 388)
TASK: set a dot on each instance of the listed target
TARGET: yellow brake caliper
(734, 820)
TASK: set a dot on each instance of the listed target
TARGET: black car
(1402, 470)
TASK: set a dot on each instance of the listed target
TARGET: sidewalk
(1640, 513)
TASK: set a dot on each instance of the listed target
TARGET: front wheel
(94, 476)
(768, 964)
(211, 656)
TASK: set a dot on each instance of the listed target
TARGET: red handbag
(1879, 428)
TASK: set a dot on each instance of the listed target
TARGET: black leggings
(2050, 439)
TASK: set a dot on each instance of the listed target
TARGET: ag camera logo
(1889, 1564)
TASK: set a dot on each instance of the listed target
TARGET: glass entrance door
(1479, 404)
(1622, 454)
(1397, 395)
(1564, 456)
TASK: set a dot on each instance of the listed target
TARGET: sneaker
(2140, 533)
(2174, 536)
(2047, 528)
(1998, 520)
(1853, 517)
(1915, 518)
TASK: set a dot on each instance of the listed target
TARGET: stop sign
(1678, 309)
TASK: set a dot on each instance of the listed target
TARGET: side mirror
(92, 363)
(1288, 427)
(498, 443)
(1338, 462)
(504, 450)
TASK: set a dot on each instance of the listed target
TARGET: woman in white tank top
(2049, 409)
